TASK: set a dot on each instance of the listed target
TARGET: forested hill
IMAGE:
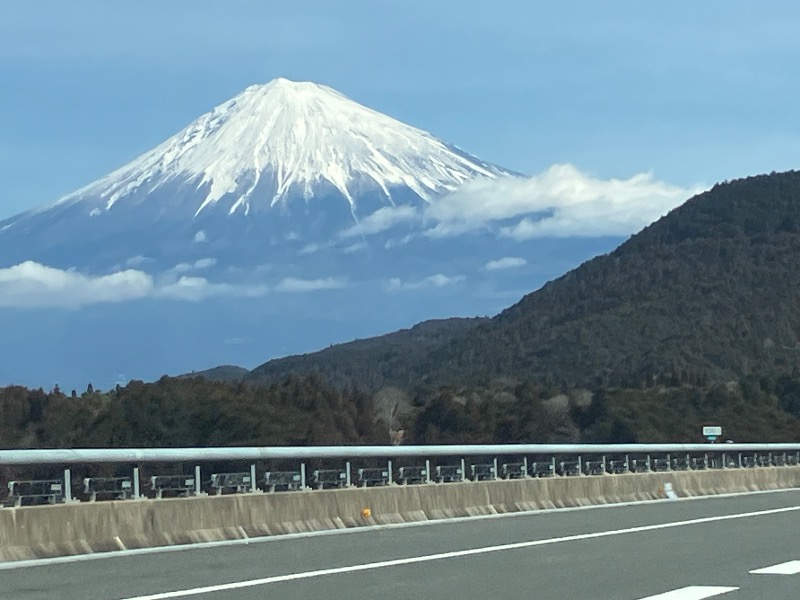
(370, 363)
(710, 292)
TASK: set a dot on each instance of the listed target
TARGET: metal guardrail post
(724, 461)
(197, 480)
(389, 471)
(347, 474)
(303, 476)
(553, 465)
(740, 460)
(525, 467)
(649, 464)
(580, 465)
(463, 469)
(136, 492)
(427, 470)
(252, 478)
(495, 474)
(605, 469)
(669, 462)
(67, 485)
(627, 463)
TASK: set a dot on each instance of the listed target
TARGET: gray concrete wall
(42, 531)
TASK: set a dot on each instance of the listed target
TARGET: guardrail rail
(374, 466)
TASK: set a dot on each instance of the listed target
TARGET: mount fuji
(281, 162)
(285, 219)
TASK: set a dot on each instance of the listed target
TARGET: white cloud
(381, 220)
(200, 264)
(31, 284)
(182, 268)
(309, 249)
(561, 202)
(200, 237)
(205, 263)
(433, 281)
(292, 284)
(199, 288)
(354, 248)
(397, 243)
(136, 261)
(507, 262)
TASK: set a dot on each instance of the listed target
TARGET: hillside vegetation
(306, 411)
(709, 293)
(369, 363)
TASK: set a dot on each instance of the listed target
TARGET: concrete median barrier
(79, 528)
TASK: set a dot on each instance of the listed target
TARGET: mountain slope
(284, 220)
(370, 363)
(707, 293)
(286, 139)
(223, 373)
(283, 160)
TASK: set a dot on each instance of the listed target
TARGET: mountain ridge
(683, 300)
(303, 137)
(280, 165)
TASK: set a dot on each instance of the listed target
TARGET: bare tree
(392, 405)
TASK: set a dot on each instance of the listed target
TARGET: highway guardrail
(406, 465)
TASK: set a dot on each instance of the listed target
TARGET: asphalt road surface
(734, 547)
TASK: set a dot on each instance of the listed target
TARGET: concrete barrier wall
(43, 531)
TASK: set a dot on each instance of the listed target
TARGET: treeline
(307, 411)
(187, 412)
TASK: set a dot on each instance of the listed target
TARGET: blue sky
(693, 92)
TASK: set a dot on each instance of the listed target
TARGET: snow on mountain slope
(283, 220)
(287, 139)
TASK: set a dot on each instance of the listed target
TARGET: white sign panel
(714, 431)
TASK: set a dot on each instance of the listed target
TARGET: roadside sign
(712, 432)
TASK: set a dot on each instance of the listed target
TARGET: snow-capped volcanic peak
(285, 139)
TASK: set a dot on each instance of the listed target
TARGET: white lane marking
(277, 538)
(788, 568)
(458, 554)
(693, 592)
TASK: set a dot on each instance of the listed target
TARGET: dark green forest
(307, 411)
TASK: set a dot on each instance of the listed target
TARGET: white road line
(693, 592)
(463, 553)
(788, 568)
